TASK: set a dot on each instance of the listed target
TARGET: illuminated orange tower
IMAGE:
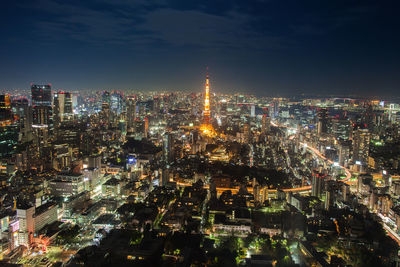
(206, 111)
(206, 128)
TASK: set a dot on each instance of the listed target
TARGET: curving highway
(316, 152)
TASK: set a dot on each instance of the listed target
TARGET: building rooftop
(43, 208)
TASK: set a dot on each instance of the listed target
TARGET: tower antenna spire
(206, 112)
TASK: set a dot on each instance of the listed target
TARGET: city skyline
(262, 48)
(104, 178)
(201, 133)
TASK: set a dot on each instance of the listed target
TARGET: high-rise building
(265, 124)
(106, 107)
(116, 102)
(369, 116)
(142, 127)
(74, 98)
(94, 162)
(23, 115)
(68, 184)
(345, 189)
(361, 139)
(41, 95)
(63, 109)
(26, 220)
(106, 100)
(363, 183)
(341, 128)
(252, 110)
(322, 121)
(344, 153)
(41, 104)
(42, 115)
(5, 110)
(131, 113)
(164, 177)
(275, 109)
(317, 184)
(168, 147)
(331, 187)
(42, 119)
(8, 140)
(40, 136)
(156, 105)
(8, 131)
(32, 219)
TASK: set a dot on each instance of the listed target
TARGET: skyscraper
(142, 127)
(42, 119)
(344, 152)
(265, 124)
(246, 133)
(25, 215)
(42, 115)
(5, 110)
(41, 95)
(252, 110)
(164, 176)
(23, 115)
(341, 128)
(116, 102)
(156, 105)
(130, 113)
(322, 121)
(106, 100)
(168, 147)
(361, 139)
(41, 104)
(8, 131)
(63, 109)
(275, 109)
(106, 107)
(318, 180)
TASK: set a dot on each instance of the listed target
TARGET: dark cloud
(195, 28)
(262, 46)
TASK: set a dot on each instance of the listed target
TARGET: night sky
(263, 47)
